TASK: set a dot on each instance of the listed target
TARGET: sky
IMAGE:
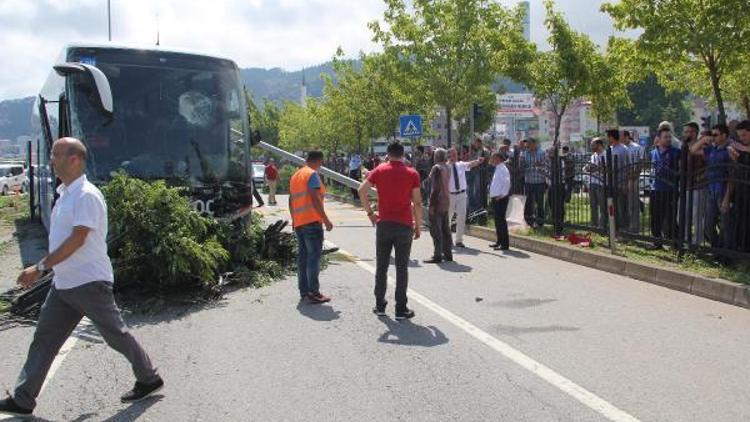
(289, 34)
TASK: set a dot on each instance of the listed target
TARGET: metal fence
(662, 197)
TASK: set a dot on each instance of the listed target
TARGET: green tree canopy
(651, 104)
(453, 48)
(565, 73)
(688, 43)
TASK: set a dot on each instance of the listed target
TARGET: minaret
(303, 90)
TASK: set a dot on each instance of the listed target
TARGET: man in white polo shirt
(457, 188)
(82, 284)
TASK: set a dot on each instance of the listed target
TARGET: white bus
(152, 113)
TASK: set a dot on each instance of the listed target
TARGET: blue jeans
(310, 249)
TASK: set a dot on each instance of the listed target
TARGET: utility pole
(109, 21)
(472, 116)
(157, 28)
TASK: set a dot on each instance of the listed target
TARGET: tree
(688, 43)
(608, 83)
(738, 88)
(451, 47)
(265, 120)
(563, 74)
(301, 127)
(651, 104)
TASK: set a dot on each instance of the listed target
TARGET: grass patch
(738, 272)
(14, 201)
(13, 208)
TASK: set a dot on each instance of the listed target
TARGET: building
(578, 123)
(526, 7)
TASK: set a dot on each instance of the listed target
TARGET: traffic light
(476, 110)
(706, 125)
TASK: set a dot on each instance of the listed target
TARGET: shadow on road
(517, 254)
(512, 330)
(523, 303)
(455, 267)
(407, 333)
(322, 313)
(475, 252)
(413, 263)
(135, 410)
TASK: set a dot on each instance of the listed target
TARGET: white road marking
(64, 350)
(542, 371)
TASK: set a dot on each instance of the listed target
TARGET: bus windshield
(175, 116)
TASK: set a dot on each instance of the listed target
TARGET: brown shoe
(318, 298)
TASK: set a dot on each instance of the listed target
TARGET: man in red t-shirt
(398, 221)
(272, 179)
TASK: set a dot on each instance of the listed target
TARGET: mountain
(279, 85)
(15, 117)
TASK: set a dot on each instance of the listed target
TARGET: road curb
(715, 289)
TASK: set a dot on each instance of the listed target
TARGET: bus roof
(144, 47)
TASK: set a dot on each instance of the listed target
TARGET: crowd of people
(696, 186)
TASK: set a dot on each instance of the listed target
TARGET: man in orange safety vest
(306, 197)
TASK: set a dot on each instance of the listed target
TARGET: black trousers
(442, 239)
(390, 236)
(663, 214)
(355, 174)
(256, 196)
(500, 207)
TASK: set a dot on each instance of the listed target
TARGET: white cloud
(255, 33)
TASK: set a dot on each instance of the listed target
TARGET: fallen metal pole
(299, 161)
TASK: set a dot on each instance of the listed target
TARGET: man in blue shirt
(717, 175)
(665, 160)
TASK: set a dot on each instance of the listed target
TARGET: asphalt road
(516, 337)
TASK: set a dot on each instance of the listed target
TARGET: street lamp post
(109, 21)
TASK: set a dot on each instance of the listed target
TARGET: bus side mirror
(100, 82)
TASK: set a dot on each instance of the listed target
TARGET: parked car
(259, 171)
(12, 179)
(581, 183)
(646, 181)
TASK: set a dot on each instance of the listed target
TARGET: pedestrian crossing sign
(411, 126)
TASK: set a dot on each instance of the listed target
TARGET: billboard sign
(517, 105)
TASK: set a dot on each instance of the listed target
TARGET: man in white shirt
(355, 172)
(82, 284)
(457, 188)
(499, 196)
(596, 170)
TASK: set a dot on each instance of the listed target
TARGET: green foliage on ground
(158, 239)
(4, 307)
(160, 243)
